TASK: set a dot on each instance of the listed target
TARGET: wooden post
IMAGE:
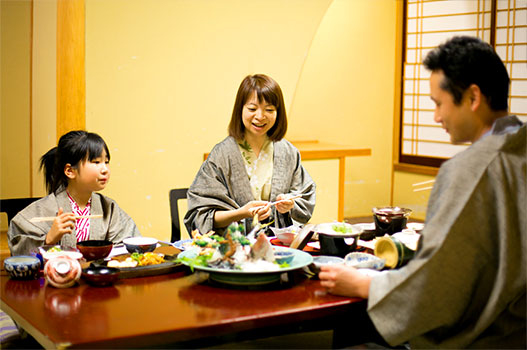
(71, 80)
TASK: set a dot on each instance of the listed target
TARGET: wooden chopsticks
(423, 183)
(51, 218)
(276, 202)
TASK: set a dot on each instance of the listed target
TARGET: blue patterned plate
(183, 244)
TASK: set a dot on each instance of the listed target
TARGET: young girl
(252, 167)
(74, 171)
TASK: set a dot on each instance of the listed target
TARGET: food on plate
(234, 251)
(138, 259)
(342, 228)
(55, 249)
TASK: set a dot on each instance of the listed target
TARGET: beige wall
(15, 51)
(161, 77)
(44, 86)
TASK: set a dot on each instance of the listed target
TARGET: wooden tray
(151, 270)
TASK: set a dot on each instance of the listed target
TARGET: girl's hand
(64, 223)
(286, 205)
(344, 280)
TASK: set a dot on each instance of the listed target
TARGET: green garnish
(198, 260)
(342, 228)
(201, 243)
(217, 238)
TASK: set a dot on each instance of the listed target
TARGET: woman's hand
(64, 223)
(344, 280)
(262, 208)
(223, 218)
(286, 205)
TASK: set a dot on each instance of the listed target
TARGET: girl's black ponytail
(47, 165)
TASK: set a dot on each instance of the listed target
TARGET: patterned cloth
(8, 328)
(82, 226)
(259, 168)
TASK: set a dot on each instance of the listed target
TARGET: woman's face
(258, 117)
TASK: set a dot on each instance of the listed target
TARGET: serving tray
(168, 266)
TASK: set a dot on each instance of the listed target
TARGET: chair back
(175, 195)
(12, 206)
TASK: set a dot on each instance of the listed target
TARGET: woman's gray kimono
(24, 235)
(222, 183)
(466, 285)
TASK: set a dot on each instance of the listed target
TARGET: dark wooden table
(176, 309)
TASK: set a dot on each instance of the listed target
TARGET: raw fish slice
(262, 249)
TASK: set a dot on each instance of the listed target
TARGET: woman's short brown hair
(267, 90)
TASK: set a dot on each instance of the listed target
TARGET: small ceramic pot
(393, 251)
(22, 267)
(389, 220)
(62, 271)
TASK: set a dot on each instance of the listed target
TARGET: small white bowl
(140, 244)
(286, 235)
(327, 260)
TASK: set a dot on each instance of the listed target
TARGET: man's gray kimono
(222, 183)
(24, 235)
(466, 285)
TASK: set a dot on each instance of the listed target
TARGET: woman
(252, 167)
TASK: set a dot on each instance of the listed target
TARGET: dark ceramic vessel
(95, 249)
(100, 276)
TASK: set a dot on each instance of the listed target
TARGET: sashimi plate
(246, 278)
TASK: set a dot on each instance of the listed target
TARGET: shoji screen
(429, 23)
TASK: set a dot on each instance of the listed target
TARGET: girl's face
(92, 175)
(258, 118)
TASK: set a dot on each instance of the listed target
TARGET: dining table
(182, 308)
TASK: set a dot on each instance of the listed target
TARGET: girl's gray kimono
(222, 183)
(25, 236)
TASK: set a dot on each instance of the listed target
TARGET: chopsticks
(51, 218)
(275, 202)
(423, 183)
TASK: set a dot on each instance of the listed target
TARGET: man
(466, 285)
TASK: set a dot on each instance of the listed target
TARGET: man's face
(457, 120)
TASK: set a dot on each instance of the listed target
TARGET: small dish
(95, 249)
(183, 244)
(338, 229)
(283, 256)
(364, 261)
(327, 260)
(51, 251)
(23, 267)
(140, 244)
(100, 276)
(286, 235)
(416, 226)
